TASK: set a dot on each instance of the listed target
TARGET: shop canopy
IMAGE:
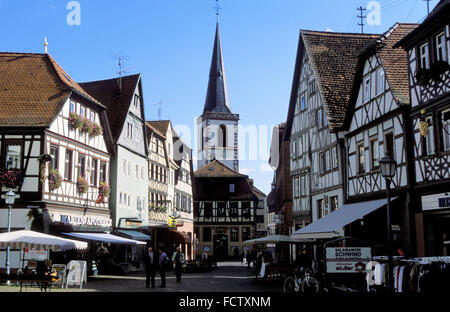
(273, 239)
(134, 235)
(105, 238)
(332, 225)
(36, 240)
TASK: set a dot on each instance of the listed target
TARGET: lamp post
(388, 166)
(10, 197)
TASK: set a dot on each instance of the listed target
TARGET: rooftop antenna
(45, 45)
(159, 108)
(428, 5)
(362, 17)
(121, 70)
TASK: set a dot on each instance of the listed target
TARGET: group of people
(159, 262)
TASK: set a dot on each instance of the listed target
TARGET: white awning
(37, 240)
(106, 238)
(332, 225)
(277, 239)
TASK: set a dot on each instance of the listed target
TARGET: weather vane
(217, 9)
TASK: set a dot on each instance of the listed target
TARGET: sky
(170, 43)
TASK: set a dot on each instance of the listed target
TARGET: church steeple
(217, 99)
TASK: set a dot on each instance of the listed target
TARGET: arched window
(223, 136)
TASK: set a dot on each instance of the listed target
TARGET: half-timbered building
(57, 135)
(428, 50)
(324, 70)
(378, 125)
(224, 210)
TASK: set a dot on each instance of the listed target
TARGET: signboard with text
(347, 259)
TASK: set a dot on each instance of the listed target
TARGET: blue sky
(170, 42)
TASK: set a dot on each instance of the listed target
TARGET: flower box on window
(104, 189)
(11, 178)
(84, 124)
(82, 185)
(54, 180)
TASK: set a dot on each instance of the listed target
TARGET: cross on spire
(218, 8)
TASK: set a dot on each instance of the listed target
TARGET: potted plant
(43, 160)
(54, 180)
(104, 189)
(11, 178)
(75, 120)
(97, 130)
(437, 69)
(82, 185)
(423, 77)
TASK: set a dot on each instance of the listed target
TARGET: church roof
(217, 99)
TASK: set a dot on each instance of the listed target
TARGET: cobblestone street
(228, 277)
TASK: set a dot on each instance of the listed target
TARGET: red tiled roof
(33, 88)
(218, 170)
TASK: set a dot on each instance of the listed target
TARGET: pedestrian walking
(178, 263)
(150, 267)
(163, 260)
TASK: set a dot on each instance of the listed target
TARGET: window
(389, 144)
(234, 234)
(424, 56)
(334, 157)
(137, 172)
(13, 159)
(324, 159)
(72, 107)
(300, 146)
(246, 209)
(233, 209)
(206, 234)
(208, 209)
(320, 121)
(294, 149)
(380, 81)
(94, 172)
(129, 169)
(428, 141)
(367, 89)
(441, 49)
(221, 209)
(303, 102)
(129, 130)
(121, 199)
(361, 159)
(68, 165)
(320, 209)
(136, 100)
(232, 188)
(129, 201)
(142, 173)
(375, 154)
(311, 88)
(82, 111)
(54, 152)
(169, 149)
(138, 204)
(102, 171)
(445, 119)
(245, 233)
(334, 203)
(223, 136)
(124, 164)
(81, 165)
(296, 188)
(92, 116)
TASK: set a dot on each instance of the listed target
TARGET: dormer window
(424, 56)
(380, 81)
(441, 49)
(366, 89)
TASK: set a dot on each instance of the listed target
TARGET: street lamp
(10, 198)
(388, 166)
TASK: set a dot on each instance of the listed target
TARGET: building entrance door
(220, 247)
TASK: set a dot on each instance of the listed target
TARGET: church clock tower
(218, 126)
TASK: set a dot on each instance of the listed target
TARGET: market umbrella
(273, 239)
(36, 240)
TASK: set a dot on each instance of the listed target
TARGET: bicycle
(301, 281)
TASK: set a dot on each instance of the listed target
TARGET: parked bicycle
(301, 281)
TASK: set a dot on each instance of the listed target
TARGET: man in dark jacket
(163, 261)
(178, 261)
(151, 262)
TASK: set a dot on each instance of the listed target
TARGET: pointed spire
(217, 95)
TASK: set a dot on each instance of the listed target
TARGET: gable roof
(160, 125)
(117, 100)
(216, 169)
(440, 13)
(334, 58)
(33, 88)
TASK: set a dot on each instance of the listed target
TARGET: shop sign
(435, 202)
(444, 202)
(172, 222)
(36, 254)
(85, 220)
(77, 273)
(347, 259)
